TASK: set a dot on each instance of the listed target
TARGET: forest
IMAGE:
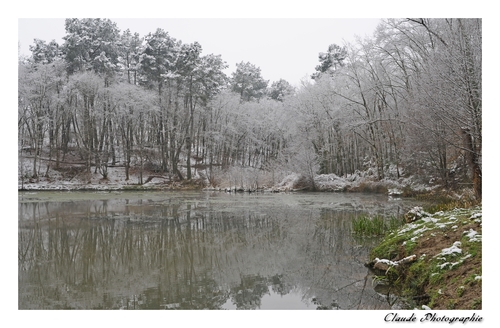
(403, 103)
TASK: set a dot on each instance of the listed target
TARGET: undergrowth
(447, 271)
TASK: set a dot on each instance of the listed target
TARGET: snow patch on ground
(473, 235)
(454, 249)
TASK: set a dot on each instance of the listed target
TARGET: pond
(197, 250)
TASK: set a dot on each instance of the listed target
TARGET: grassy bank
(434, 260)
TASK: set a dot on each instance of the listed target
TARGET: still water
(196, 250)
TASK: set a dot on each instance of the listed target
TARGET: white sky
(285, 48)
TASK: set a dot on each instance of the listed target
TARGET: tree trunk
(473, 159)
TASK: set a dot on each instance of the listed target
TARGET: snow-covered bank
(233, 179)
(435, 260)
(116, 180)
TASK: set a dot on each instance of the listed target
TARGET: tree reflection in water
(197, 252)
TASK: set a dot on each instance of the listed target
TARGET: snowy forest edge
(400, 112)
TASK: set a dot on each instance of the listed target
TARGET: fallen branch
(384, 264)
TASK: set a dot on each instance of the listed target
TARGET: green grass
(375, 226)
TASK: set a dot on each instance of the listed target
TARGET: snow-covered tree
(281, 89)
(45, 53)
(130, 51)
(91, 44)
(248, 82)
(330, 60)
